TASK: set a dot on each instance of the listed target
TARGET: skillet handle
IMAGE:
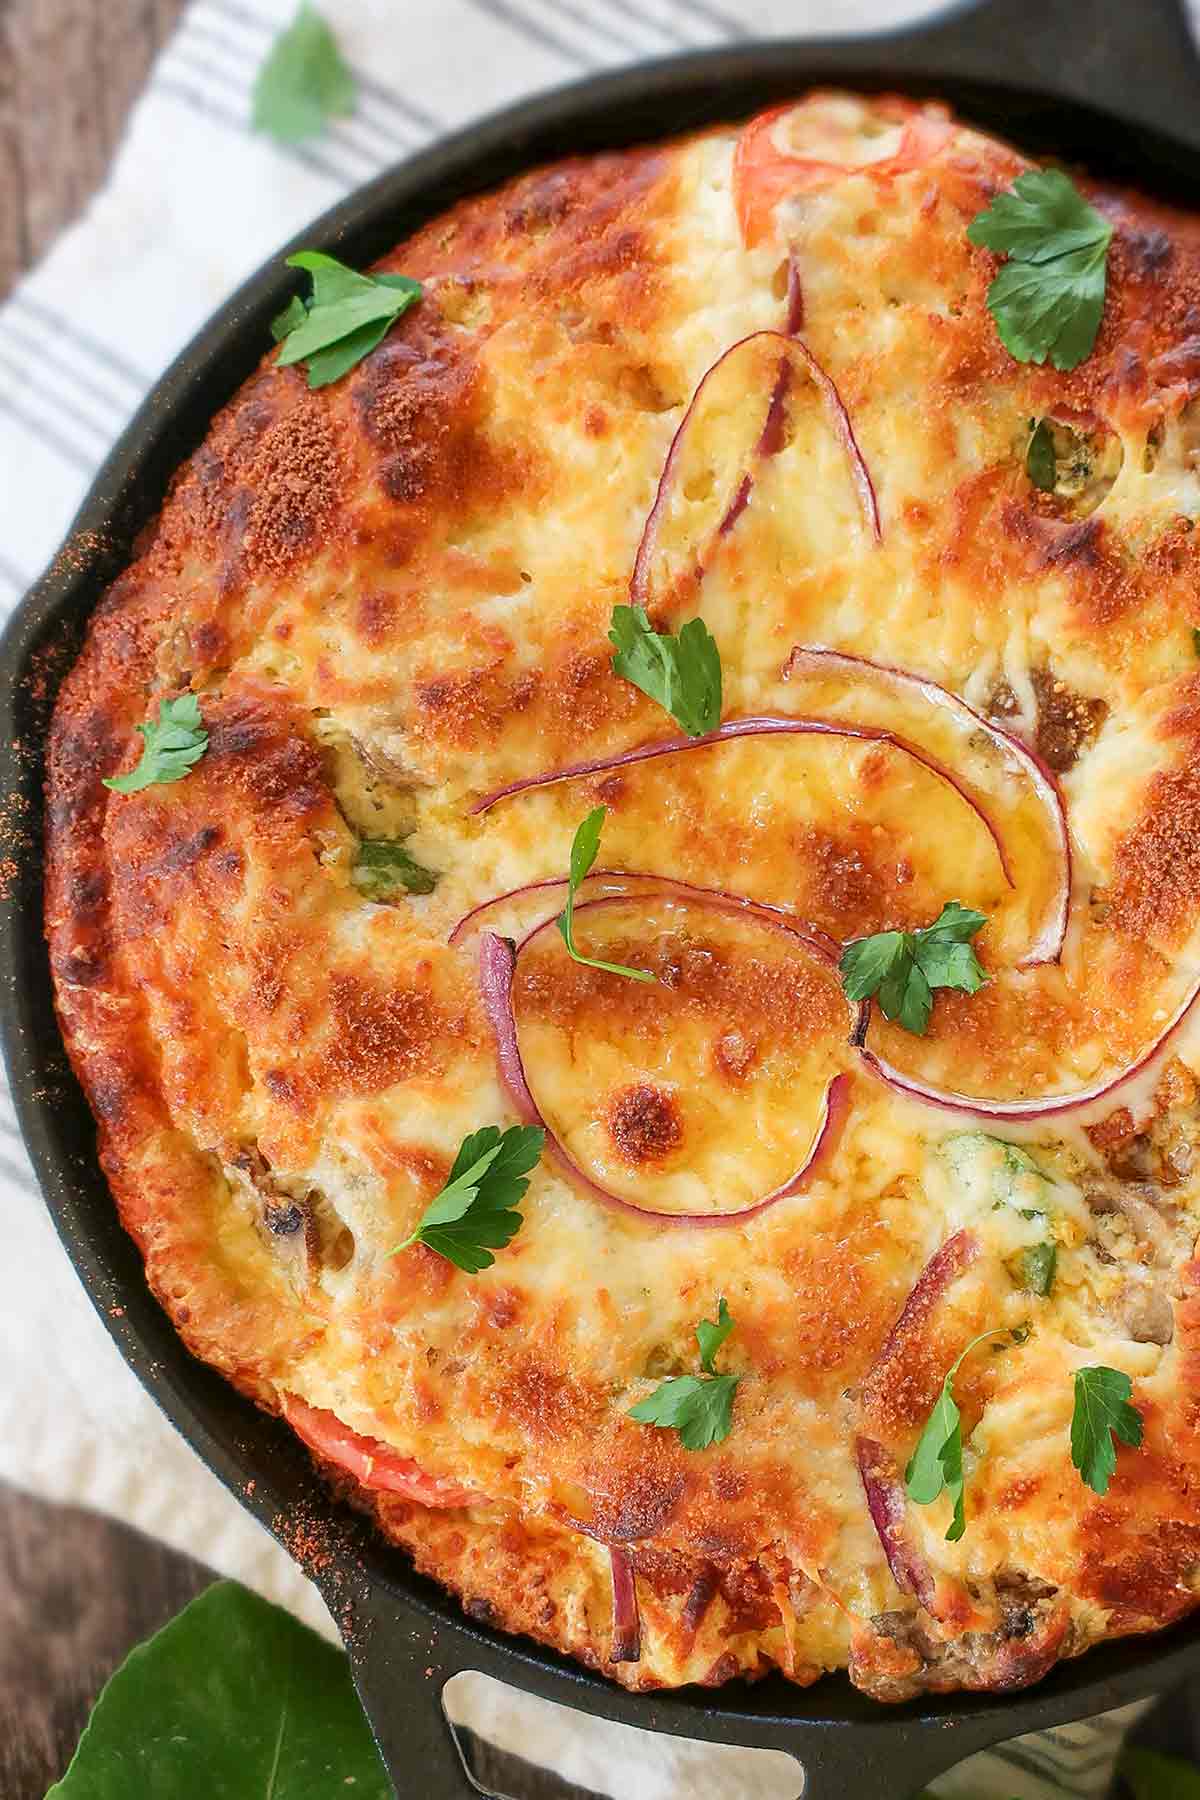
(400, 1668)
(1135, 59)
(401, 1660)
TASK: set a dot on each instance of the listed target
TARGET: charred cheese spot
(1156, 888)
(644, 1124)
(1066, 722)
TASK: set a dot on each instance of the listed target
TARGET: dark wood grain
(76, 1594)
(69, 72)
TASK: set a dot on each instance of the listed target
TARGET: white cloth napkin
(194, 204)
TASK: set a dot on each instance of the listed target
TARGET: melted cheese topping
(392, 597)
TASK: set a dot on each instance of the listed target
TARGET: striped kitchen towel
(195, 202)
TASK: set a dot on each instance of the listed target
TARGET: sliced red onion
(974, 1106)
(1048, 943)
(887, 1504)
(886, 1498)
(497, 966)
(715, 900)
(701, 1595)
(477, 913)
(772, 438)
(770, 441)
(758, 725)
(795, 299)
(940, 1272)
(735, 509)
(622, 884)
(626, 1625)
(845, 430)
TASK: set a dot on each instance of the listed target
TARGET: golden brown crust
(392, 597)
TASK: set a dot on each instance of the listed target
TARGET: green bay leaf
(1151, 1776)
(233, 1700)
(304, 81)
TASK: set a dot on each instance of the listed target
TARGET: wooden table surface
(69, 71)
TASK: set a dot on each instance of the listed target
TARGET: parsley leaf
(903, 967)
(1041, 465)
(682, 673)
(174, 743)
(1048, 297)
(345, 317)
(584, 847)
(1196, 639)
(304, 81)
(1102, 1412)
(475, 1212)
(710, 1336)
(936, 1463)
(382, 867)
(698, 1407)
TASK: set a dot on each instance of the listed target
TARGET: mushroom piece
(1149, 1316)
(1144, 1308)
(1152, 1219)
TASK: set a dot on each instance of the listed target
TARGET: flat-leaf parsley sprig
(683, 672)
(1048, 298)
(902, 968)
(475, 1212)
(172, 746)
(584, 848)
(698, 1407)
(937, 1462)
(1102, 1412)
(343, 319)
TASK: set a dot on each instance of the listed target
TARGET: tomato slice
(765, 171)
(369, 1461)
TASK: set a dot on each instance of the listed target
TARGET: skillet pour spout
(1115, 86)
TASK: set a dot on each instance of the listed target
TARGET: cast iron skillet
(1112, 84)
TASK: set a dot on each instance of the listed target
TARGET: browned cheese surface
(392, 596)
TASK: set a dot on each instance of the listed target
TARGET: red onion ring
(757, 725)
(942, 1270)
(627, 1625)
(842, 425)
(475, 916)
(887, 1501)
(887, 1504)
(1047, 947)
(975, 1107)
(819, 942)
(497, 966)
(701, 1595)
(717, 901)
(770, 441)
